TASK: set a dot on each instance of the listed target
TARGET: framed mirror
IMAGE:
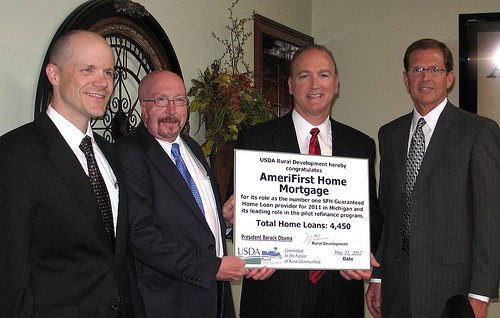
(479, 61)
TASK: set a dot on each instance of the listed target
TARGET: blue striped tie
(185, 174)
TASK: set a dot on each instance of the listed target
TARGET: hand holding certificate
(301, 212)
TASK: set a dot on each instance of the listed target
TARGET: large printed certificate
(297, 211)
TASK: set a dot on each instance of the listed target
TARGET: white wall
(27, 27)
(368, 40)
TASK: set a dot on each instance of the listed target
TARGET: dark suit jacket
(282, 294)
(455, 212)
(56, 260)
(174, 247)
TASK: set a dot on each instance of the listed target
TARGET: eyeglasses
(163, 102)
(432, 71)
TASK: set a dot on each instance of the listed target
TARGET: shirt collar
(303, 127)
(431, 118)
(167, 146)
(70, 132)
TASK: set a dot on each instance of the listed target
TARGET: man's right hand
(374, 299)
(231, 269)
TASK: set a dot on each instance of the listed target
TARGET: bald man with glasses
(177, 222)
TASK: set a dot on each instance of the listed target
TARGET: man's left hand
(260, 273)
(228, 211)
(360, 274)
(479, 307)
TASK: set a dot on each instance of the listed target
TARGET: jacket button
(114, 307)
(211, 247)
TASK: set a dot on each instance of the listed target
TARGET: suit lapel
(169, 170)
(399, 140)
(286, 137)
(340, 140)
(201, 158)
(443, 131)
(195, 148)
(71, 172)
(445, 128)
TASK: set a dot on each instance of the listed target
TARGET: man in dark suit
(178, 226)
(314, 84)
(58, 258)
(441, 238)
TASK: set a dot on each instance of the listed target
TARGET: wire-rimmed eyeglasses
(163, 102)
(432, 71)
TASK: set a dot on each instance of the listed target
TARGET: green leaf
(235, 118)
(232, 128)
(207, 74)
(193, 90)
(207, 147)
(198, 105)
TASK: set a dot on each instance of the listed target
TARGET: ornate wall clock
(140, 46)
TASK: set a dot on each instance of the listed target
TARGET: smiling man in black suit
(314, 84)
(63, 241)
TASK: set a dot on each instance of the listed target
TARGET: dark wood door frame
(266, 28)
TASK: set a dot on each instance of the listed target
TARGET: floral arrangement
(227, 100)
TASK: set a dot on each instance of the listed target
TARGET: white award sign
(297, 211)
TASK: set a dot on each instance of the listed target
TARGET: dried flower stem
(235, 47)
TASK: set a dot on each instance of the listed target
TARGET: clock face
(140, 46)
(136, 54)
(123, 109)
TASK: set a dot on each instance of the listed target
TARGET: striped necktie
(413, 163)
(185, 174)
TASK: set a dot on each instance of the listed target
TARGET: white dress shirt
(74, 137)
(431, 120)
(303, 131)
(204, 186)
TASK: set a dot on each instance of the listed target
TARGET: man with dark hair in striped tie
(439, 192)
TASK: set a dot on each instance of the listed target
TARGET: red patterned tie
(100, 190)
(314, 149)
